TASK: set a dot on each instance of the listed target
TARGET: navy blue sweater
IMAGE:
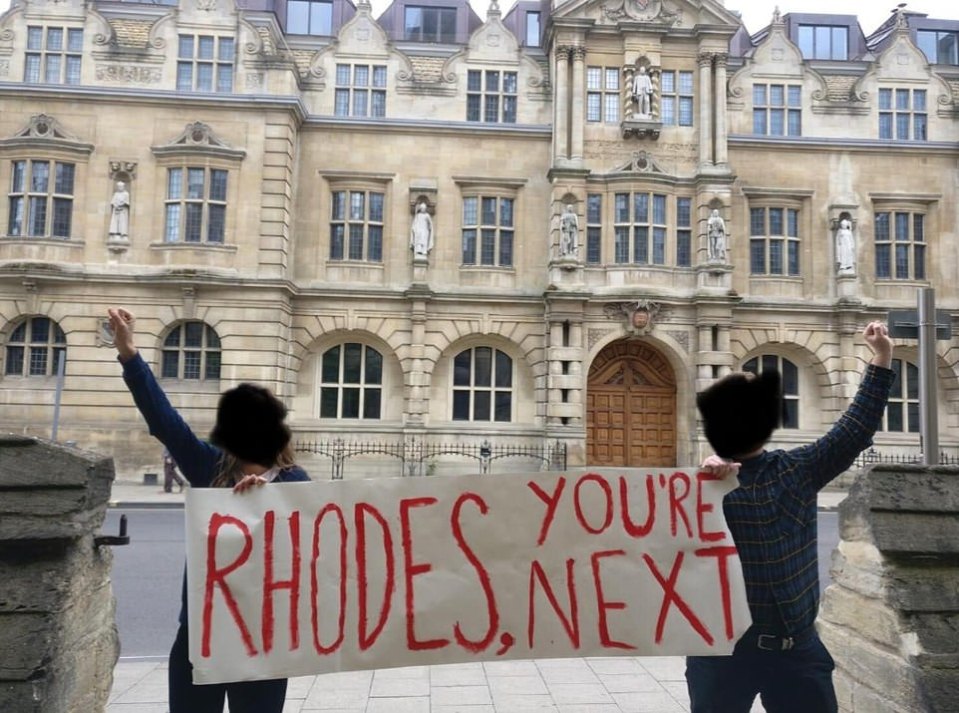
(198, 460)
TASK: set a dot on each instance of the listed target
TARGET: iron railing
(417, 456)
(873, 456)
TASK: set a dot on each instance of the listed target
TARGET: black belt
(776, 642)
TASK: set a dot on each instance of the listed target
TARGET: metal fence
(419, 456)
(872, 456)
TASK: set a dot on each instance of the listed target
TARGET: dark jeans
(245, 696)
(795, 681)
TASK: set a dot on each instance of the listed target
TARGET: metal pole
(61, 363)
(928, 407)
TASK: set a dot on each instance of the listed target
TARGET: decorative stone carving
(128, 74)
(638, 315)
(681, 338)
(421, 232)
(594, 336)
(568, 232)
(648, 11)
(845, 245)
(716, 235)
(120, 214)
(643, 93)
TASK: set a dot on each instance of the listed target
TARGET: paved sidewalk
(581, 685)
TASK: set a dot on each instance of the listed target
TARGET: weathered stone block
(892, 617)
(57, 626)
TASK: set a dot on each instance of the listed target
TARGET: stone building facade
(245, 180)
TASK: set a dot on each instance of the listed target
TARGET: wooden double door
(631, 408)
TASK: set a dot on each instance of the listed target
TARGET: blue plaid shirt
(772, 515)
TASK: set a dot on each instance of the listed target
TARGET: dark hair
(741, 412)
(249, 425)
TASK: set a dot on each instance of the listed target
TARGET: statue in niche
(716, 232)
(568, 232)
(845, 248)
(421, 231)
(643, 93)
(120, 213)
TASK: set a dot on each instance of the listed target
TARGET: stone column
(705, 109)
(555, 394)
(561, 107)
(578, 94)
(720, 113)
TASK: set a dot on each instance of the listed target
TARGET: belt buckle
(785, 642)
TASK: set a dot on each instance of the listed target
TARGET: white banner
(303, 578)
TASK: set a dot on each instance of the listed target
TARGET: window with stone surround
(309, 17)
(902, 114)
(594, 228)
(360, 90)
(34, 348)
(603, 95)
(53, 55)
(205, 64)
(356, 224)
(40, 199)
(900, 245)
(195, 206)
(639, 230)
(902, 410)
(676, 108)
(684, 232)
(790, 383)
(482, 385)
(351, 382)
(491, 96)
(777, 110)
(774, 241)
(191, 351)
(488, 230)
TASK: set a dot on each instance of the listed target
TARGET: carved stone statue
(716, 231)
(568, 232)
(120, 213)
(643, 93)
(421, 231)
(845, 248)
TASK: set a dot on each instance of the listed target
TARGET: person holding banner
(772, 517)
(249, 447)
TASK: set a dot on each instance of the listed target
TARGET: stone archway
(631, 407)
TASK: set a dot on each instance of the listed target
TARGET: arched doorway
(631, 407)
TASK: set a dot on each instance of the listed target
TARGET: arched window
(482, 385)
(790, 377)
(191, 351)
(902, 411)
(34, 348)
(351, 382)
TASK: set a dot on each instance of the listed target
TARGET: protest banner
(302, 578)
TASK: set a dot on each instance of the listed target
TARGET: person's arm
(196, 459)
(832, 454)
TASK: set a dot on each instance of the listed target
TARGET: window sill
(776, 278)
(215, 247)
(893, 282)
(189, 386)
(34, 240)
(488, 268)
(32, 382)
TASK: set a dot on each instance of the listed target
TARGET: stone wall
(58, 635)
(891, 616)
